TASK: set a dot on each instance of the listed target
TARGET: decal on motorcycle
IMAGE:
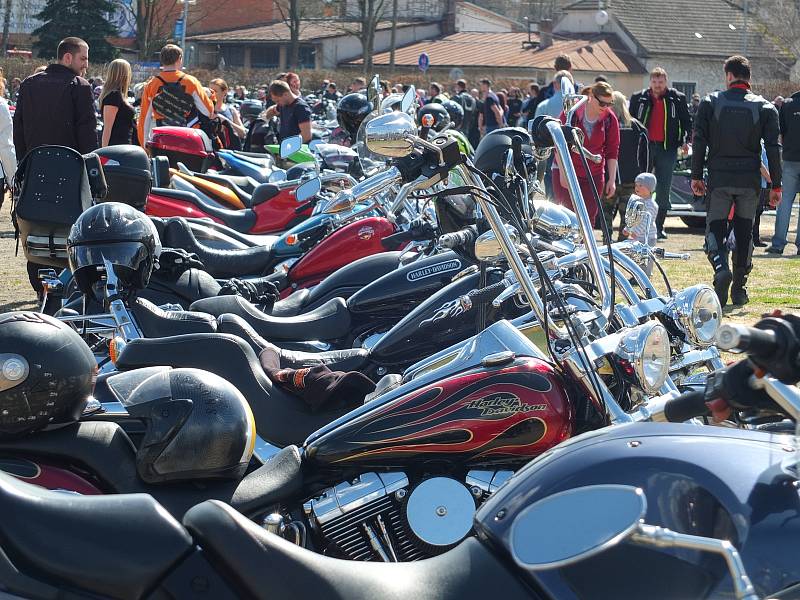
(445, 267)
(452, 308)
(502, 403)
(366, 232)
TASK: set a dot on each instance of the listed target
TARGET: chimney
(545, 33)
(449, 20)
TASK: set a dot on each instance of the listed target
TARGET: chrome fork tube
(566, 166)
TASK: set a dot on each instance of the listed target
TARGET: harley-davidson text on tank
(437, 269)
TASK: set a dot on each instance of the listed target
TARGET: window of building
(233, 55)
(686, 88)
(307, 57)
(265, 57)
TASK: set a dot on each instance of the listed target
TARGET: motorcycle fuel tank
(351, 242)
(478, 417)
(278, 213)
(401, 290)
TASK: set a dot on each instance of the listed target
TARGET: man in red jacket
(56, 107)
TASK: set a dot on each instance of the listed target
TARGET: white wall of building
(406, 9)
(338, 49)
(469, 18)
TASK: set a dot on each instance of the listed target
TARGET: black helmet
(197, 426)
(46, 372)
(441, 118)
(351, 111)
(119, 234)
(491, 151)
(299, 170)
(455, 111)
(250, 109)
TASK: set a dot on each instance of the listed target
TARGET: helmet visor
(129, 255)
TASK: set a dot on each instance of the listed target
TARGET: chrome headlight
(697, 313)
(645, 352)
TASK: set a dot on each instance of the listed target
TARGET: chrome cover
(350, 495)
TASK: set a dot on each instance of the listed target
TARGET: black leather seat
(235, 262)
(247, 184)
(115, 546)
(268, 566)
(155, 322)
(281, 419)
(189, 286)
(264, 192)
(240, 220)
(292, 305)
(352, 359)
(331, 321)
(228, 182)
(262, 160)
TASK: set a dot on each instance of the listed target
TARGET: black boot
(717, 253)
(739, 295)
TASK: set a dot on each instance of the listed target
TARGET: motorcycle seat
(262, 160)
(245, 195)
(291, 305)
(243, 182)
(155, 322)
(264, 192)
(260, 561)
(240, 220)
(331, 321)
(281, 419)
(222, 263)
(352, 359)
(113, 546)
(191, 285)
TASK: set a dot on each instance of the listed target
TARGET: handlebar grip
(686, 406)
(456, 239)
(758, 342)
(392, 241)
(487, 294)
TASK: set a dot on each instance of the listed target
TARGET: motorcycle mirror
(596, 518)
(291, 145)
(634, 214)
(314, 144)
(277, 176)
(408, 99)
(487, 248)
(309, 189)
(343, 201)
(391, 135)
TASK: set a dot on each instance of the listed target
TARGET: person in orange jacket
(172, 97)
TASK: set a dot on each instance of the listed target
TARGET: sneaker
(722, 284)
(662, 235)
(774, 250)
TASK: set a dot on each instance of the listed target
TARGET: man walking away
(470, 105)
(663, 110)
(56, 107)
(492, 116)
(731, 125)
(789, 114)
(172, 97)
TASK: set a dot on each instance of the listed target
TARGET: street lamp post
(186, 4)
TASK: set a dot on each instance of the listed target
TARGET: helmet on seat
(441, 118)
(46, 373)
(351, 112)
(197, 426)
(455, 111)
(250, 109)
(116, 233)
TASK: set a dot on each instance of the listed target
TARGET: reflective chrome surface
(391, 135)
(440, 510)
(488, 249)
(697, 312)
(348, 496)
(646, 349)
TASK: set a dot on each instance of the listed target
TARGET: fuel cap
(498, 358)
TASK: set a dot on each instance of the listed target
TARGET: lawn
(774, 282)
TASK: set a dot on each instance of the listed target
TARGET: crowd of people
(736, 161)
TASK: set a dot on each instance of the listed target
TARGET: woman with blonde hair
(228, 116)
(633, 159)
(8, 157)
(118, 123)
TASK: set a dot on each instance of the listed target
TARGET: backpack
(174, 104)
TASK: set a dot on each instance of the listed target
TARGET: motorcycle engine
(384, 517)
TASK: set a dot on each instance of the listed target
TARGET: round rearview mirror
(391, 135)
(291, 145)
(308, 190)
(277, 176)
(487, 247)
(343, 201)
(634, 214)
(573, 525)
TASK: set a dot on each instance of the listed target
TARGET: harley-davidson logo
(366, 232)
(444, 267)
(502, 403)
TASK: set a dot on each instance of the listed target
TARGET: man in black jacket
(56, 107)
(731, 125)
(789, 117)
(665, 114)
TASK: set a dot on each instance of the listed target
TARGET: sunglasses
(603, 103)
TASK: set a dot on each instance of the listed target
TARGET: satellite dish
(601, 17)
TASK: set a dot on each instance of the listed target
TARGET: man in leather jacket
(731, 125)
(56, 107)
(665, 114)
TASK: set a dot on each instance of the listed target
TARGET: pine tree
(86, 19)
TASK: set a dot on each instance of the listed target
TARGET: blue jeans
(663, 162)
(791, 186)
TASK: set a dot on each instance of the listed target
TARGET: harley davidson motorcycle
(590, 505)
